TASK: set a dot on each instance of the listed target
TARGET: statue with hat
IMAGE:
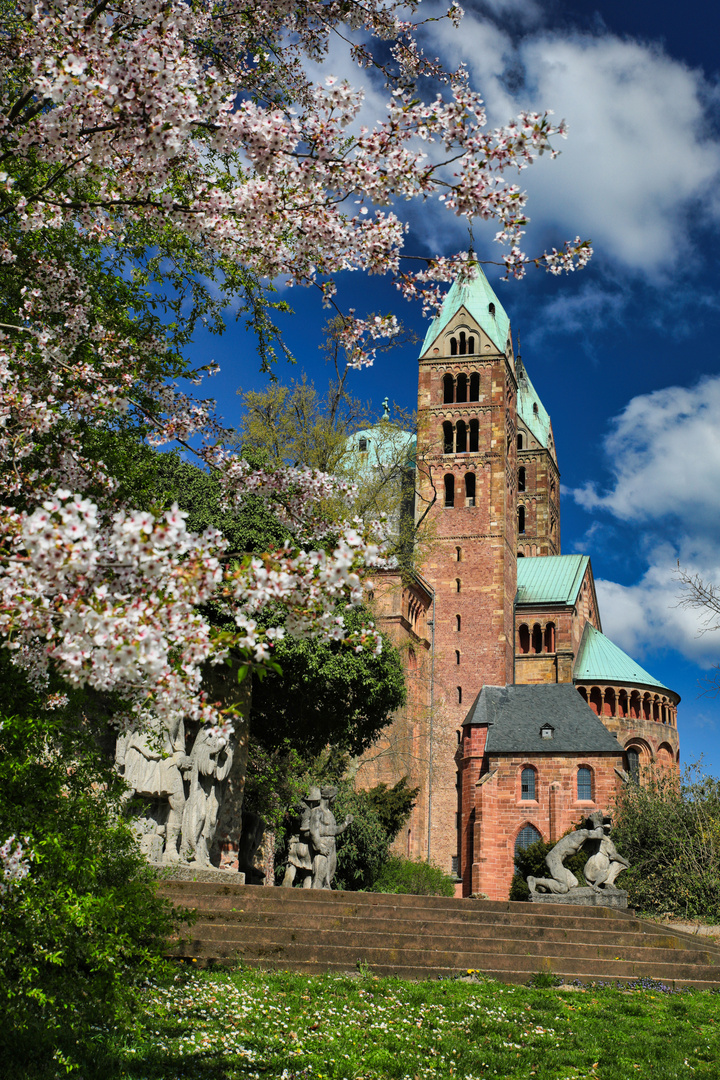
(300, 855)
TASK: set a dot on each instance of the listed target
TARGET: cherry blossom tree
(158, 158)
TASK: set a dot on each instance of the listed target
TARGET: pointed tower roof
(599, 659)
(531, 410)
(479, 300)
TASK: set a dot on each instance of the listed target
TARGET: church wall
(498, 813)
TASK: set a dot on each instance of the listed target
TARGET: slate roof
(550, 579)
(515, 714)
(536, 420)
(598, 659)
(476, 296)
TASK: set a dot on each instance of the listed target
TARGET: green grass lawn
(248, 1024)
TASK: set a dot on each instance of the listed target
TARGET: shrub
(86, 924)
(400, 875)
(668, 828)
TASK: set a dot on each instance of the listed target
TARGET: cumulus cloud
(664, 455)
(663, 452)
(642, 152)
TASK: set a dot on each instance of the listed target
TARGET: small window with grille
(527, 784)
(584, 783)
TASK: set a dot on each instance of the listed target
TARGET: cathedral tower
(467, 484)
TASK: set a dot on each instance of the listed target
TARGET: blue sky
(625, 353)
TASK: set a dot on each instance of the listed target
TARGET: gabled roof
(476, 296)
(531, 410)
(550, 579)
(598, 659)
(515, 715)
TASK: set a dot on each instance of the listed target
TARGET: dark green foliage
(393, 805)
(669, 831)
(531, 863)
(86, 925)
(364, 849)
(400, 875)
(327, 693)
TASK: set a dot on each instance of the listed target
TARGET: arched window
(362, 446)
(527, 836)
(463, 343)
(412, 660)
(474, 436)
(471, 345)
(646, 707)
(521, 478)
(550, 637)
(457, 656)
(635, 705)
(609, 706)
(453, 346)
(449, 490)
(461, 388)
(633, 762)
(521, 519)
(623, 703)
(460, 438)
(584, 783)
(520, 441)
(447, 437)
(457, 584)
(527, 784)
(474, 385)
(537, 638)
(583, 693)
(596, 700)
(458, 622)
(448, 389)
(458, 554)
(470, 489)
(459, 693)
(491, 309)
(524, 638)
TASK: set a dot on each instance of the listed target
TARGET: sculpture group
(182, 792)
(312, 855)
(601, 869)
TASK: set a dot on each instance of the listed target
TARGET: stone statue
(210, 762)
(600, 871)
(323, 832)
(300, 856)
(152, 763)
(606, 862)
(562, 879)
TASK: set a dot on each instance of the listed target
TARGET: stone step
(500, 925)
(424, 937)
(635, 949)
(517, 966)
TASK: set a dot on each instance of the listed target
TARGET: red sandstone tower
(467, 476)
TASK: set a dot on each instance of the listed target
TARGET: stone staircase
(421, 937)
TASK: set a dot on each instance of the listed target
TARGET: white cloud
(663, 451)
(642, 153)
(664, 456)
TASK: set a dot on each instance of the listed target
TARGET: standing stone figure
(300, 856)
(323, 831)
(606, 862)
(152, 763)
(210, 762)
(562, 879)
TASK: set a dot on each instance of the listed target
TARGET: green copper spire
(479, 300)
